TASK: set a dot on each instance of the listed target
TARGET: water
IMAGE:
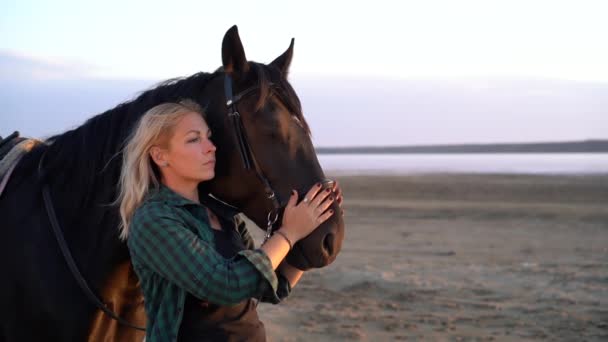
(514, 163)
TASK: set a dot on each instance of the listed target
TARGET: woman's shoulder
(152, 203)
(152, 210)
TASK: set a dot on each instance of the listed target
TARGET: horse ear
(233, 54)
(283, 61)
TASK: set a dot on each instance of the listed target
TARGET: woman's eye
(193, 140)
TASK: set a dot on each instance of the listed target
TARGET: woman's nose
(209, 146)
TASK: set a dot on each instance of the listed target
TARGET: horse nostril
(328, 244)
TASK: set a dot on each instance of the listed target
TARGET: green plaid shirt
(172, 250)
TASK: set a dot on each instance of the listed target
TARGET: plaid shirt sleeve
(160, 241)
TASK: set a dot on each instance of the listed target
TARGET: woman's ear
(158, 156)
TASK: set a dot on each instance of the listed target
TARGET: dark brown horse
(39, 297)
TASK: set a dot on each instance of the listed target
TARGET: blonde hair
(138, 171)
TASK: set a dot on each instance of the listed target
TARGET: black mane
(89, 155)
(92, 149)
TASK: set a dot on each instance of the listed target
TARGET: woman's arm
(290, 273)
(276, 247)
(161, 243)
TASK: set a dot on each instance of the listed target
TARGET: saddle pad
(8, 163)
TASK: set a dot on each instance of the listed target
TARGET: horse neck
(73, 166)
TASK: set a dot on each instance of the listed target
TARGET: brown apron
(203, 321)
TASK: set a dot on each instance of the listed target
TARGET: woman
(198, 270)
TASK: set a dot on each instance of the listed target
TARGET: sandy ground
(459, 258)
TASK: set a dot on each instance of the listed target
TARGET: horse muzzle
(321, 247)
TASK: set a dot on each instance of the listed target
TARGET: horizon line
(590, 140)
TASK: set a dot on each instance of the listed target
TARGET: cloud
(20, 66)
(353, 112)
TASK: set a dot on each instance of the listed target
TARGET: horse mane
(93, 149)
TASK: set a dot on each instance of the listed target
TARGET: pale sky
(397, 39)
(396, 72)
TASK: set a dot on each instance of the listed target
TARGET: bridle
(247, 155)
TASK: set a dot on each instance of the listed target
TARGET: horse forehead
(280, 121)
(288, 131)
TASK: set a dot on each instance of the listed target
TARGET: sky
(489, 53)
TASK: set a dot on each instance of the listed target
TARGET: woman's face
(190, 155)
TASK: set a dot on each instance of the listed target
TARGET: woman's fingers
(316, 203)
(338, 193)
(293, 199)
(310, 195)
(321, 196)
(326, 204)
(325, 216)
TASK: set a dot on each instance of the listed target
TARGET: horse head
(265, 149)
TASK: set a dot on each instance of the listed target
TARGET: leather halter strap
(247, 155)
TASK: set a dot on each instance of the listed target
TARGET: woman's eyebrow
(207, 131)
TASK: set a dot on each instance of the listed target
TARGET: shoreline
(518, 164)
(580, 146)
(397, 173)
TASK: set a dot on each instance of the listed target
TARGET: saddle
(12, 148)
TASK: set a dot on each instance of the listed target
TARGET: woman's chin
(209, 175)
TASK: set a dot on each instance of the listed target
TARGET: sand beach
(459, 257)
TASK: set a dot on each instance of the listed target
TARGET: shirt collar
(165, 194)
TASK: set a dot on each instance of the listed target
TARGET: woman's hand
(300, 219)
(338, 195)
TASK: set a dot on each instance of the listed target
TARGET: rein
(67, 255)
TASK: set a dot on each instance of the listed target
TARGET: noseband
(247, 155)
